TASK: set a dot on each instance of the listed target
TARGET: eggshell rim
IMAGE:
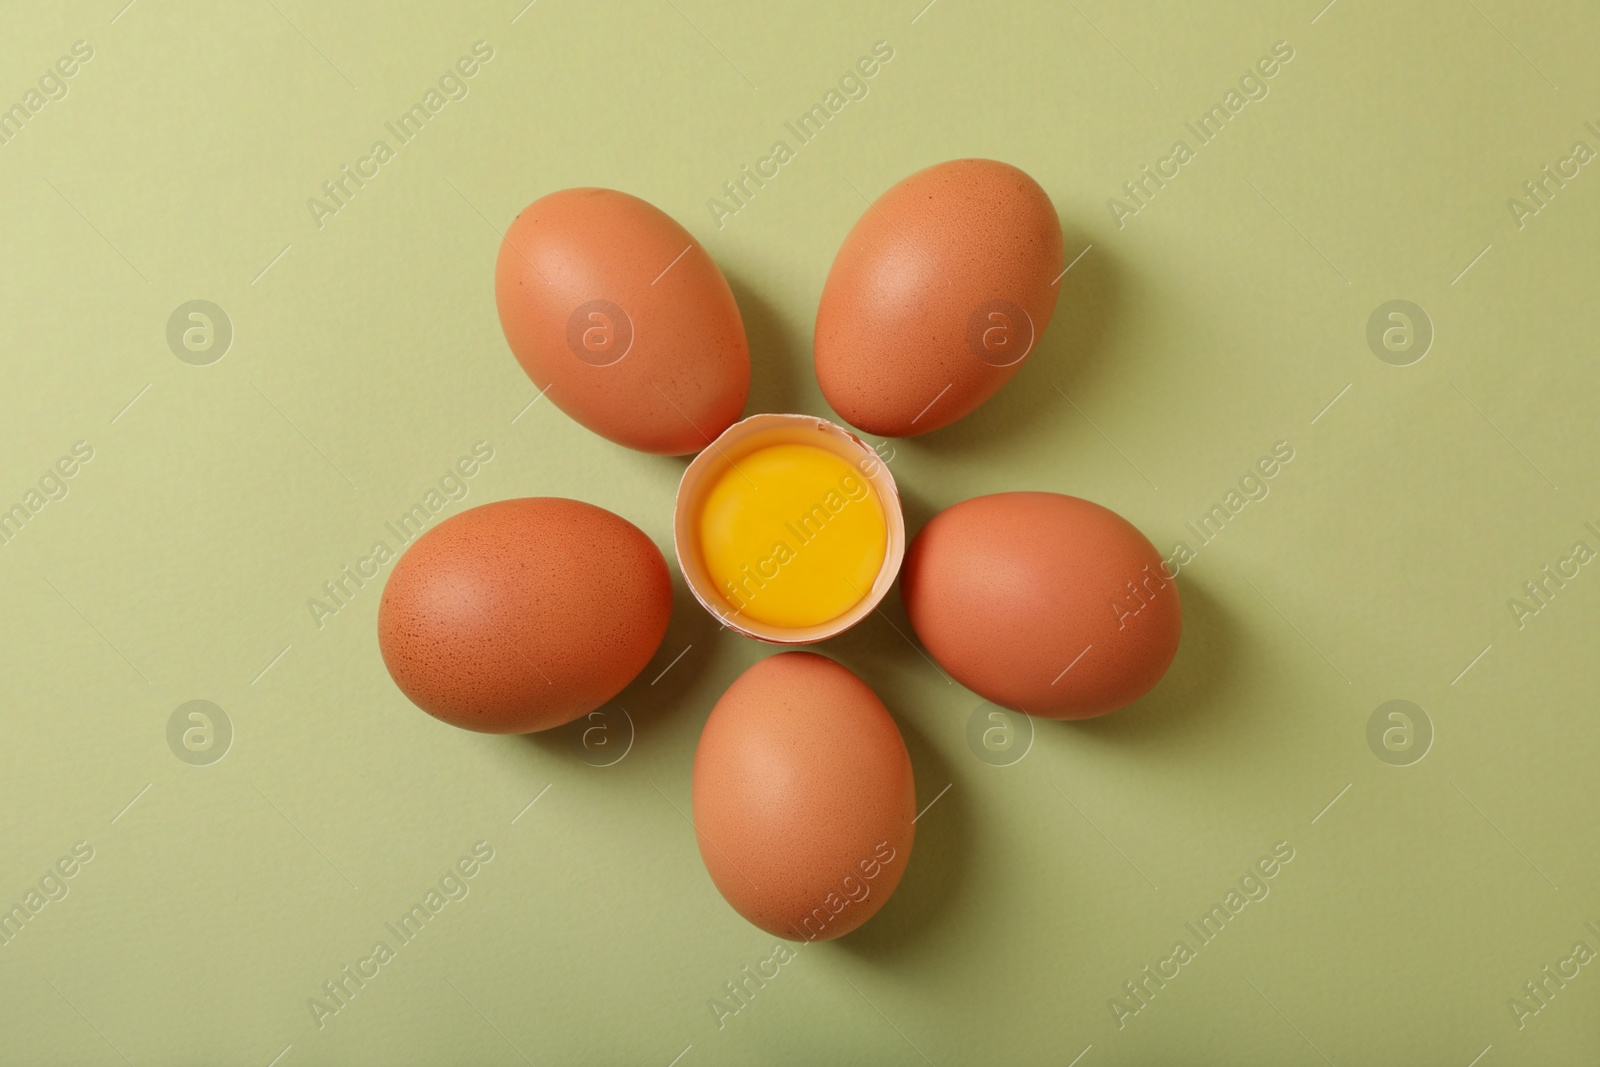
(795, 428)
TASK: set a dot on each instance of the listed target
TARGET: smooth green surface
(1222, 318)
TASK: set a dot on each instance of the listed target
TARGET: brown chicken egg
(1042, 603)
(938, 295)
(615, 311)
(522, 615)
(803, 798)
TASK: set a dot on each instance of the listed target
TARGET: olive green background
(1224, 317)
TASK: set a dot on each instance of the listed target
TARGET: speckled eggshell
(621, 316)
(803, 798)
(938, 296)
(522, 615)
(1042, 603)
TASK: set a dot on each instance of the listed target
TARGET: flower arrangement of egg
(524, 615)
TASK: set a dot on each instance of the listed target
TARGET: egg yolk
(792, 535)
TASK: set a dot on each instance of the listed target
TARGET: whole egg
(803, 798)
(623, 320)
(1042, 603)
(522, 615)
(937, 297)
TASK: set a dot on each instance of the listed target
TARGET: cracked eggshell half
(722, 461)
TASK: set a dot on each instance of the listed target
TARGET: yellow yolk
(792, 535)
